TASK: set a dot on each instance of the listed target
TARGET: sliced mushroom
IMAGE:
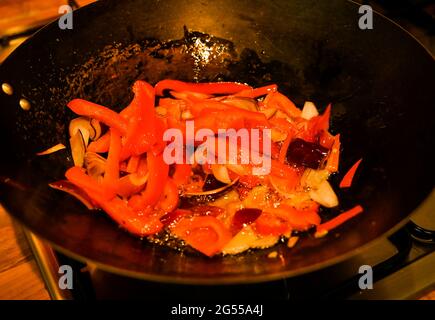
(78, 148)
(90, 128)
(95, 164)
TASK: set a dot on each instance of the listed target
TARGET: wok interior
(373, 89)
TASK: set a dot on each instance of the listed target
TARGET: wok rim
(234, 279)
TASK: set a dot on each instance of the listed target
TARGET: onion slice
(90, 128)
(78, 148)
(324, 195)
(51, 150)
(309, 111)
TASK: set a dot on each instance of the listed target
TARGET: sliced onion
(78, 148)
(247, 239)
(187, 115)
(269, 112)
(72, 189)
(161, 111)
(278, 135)
(239, 169)
(95, 164)
(90, 128)
(242, 103)
(292, 241)
(313, 178)
(324, 195)
(133, 183)
(51, 150)
(209, 192)
(220, 172)
(309, 111)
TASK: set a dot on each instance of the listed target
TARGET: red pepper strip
(140, 224)
(324, 228)
(182, 174)
(142, 124)
(269, 224)
(174, 216)
(251, 116)
(111, 174)
(282, 170)
(217, 119)
(326, 139)
(101, 145)
(159, 145)
(281, 102)
(190, 96)
(322, 121)
(204, 233)
(300, 219)
(257, 92)
(100, 113)
(142, 168)
(132, 164)
(348, 177)
(158, 174)
(130, 184)
(207, 88)
(334, 155)
(169, 199)
(284, 148)
(77, 176)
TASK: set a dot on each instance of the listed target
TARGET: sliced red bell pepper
(257, 92)
(326, 139)
(174, 216)
(268, 224)
(282, 170)
(101, 145)
(78, 177)
(250, 117)
(158, 174)
(206, 88)
(281, 102)
(138, 223)
(111, 174)
(182, 173)
(100, 113)
(334, 156)
(141, 130)
(130, 184)
(204, 233)
(169, 199)
(346, 182)
(217, 119)
(324, 228)
(133, 164)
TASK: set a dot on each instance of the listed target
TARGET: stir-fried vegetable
(214, 207)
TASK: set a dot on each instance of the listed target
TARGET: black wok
(380, 81)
